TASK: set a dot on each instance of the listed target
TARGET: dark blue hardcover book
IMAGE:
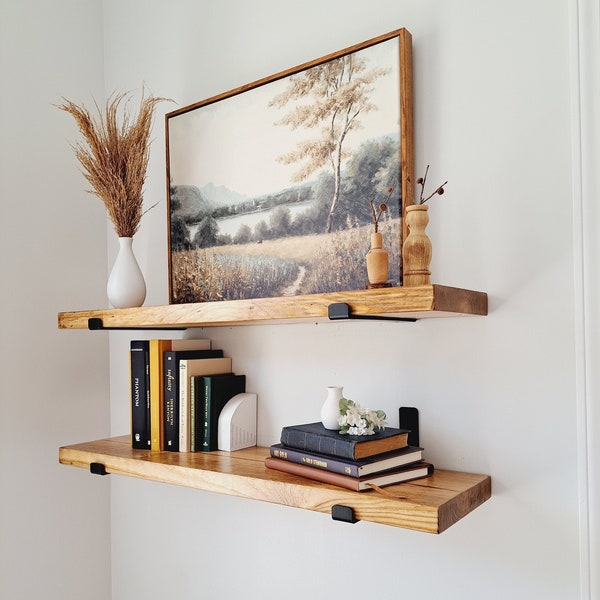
(344, 466)
(313, 437)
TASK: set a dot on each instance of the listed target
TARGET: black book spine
(171, 402)
(140, 394)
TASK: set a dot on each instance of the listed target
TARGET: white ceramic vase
(126, 286)
(330, 411)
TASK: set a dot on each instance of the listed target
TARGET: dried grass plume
(114, 157)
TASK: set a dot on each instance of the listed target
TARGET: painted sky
(235, 142)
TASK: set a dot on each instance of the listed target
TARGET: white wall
(493, 85)
(495, 108)
(586, 224)
(54, 520)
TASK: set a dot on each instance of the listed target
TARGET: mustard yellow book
(157, 350)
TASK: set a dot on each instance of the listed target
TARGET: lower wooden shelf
(431, 505)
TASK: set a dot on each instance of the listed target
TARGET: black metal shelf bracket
(340, 311)
(96, 324)
(98, 469)
(339, 512)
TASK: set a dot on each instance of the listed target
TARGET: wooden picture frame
(269, 184)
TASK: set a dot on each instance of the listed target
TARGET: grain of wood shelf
(406, 302)
(430, 505)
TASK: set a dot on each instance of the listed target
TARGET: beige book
(189, 368)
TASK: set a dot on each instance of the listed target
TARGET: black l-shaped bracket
(96, 324)
(98, 469)
(341, 311)
(339, 512)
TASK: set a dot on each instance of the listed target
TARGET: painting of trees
(328, 100)
(270, 183)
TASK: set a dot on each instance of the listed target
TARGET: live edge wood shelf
(406, 302)
(431, 504)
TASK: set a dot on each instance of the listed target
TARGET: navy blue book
(344, 466)
(313, 437)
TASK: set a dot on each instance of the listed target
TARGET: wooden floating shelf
(406, 302)
(431, 504)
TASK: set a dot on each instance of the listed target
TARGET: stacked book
(354, 462)
(178, 390)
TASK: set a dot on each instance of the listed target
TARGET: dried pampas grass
(115, 155)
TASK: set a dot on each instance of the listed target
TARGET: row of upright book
(178, 389)
(358, 463)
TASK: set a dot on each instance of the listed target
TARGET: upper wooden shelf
(431, 504)
(406, 302)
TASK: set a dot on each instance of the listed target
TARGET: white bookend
(237, 423)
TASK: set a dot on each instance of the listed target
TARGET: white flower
(355, 420)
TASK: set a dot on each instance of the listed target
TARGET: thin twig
(421, 181)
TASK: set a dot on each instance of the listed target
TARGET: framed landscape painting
(269, 185)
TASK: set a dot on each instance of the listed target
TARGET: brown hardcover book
(358, 484)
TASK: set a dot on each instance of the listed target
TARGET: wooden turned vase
(416, 250)
(377, 260)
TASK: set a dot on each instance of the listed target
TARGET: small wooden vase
(377, 260)
(416, 250)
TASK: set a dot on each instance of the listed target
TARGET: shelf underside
(431, 504)
(406, 302)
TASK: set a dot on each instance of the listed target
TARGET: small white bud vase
(126, 287)
(330, 411)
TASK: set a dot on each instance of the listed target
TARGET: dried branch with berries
(381, 209)
(421, 181)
